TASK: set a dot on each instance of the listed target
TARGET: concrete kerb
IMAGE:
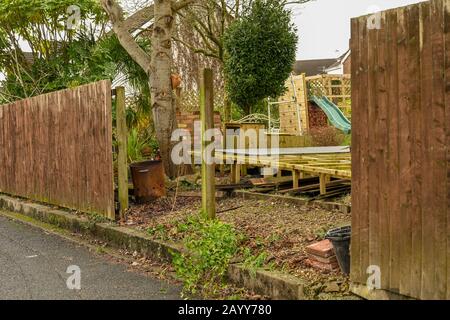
(269, 283)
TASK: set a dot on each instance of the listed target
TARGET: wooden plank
(438, 155)
(208, 166)
(393, 154)
(427, 263)
(122, 159)
(381, 136)
(405, 154)
(447, 128)
(356, 38)
(372, 143)
(108, 173)
(415, 123)
(362, 197)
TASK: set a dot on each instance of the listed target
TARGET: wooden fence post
(122, 161)
(208, 169)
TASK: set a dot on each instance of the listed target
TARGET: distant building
(340, 65)
(312, 67)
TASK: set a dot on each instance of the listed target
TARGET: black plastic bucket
(340, 238)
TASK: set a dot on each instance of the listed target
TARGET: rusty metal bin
(148, 180)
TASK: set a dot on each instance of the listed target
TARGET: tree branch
(143, 16)
(197, 50)
(125, 38)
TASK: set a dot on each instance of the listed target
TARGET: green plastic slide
(333, 113)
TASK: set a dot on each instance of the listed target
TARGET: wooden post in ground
(122, 162)
(226, 119)
(235, 172)
(244, 170)
(323, 183)
(295, 178)
(208, 166)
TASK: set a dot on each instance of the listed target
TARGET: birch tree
(208, 18)
(158, 65)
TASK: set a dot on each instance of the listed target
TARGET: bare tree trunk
(163, 101)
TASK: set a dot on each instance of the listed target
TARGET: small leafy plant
(210, 245)
(136, 145)
(158, 232)
(254, 262)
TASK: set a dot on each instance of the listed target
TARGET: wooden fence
(57, 148)
(400, 150)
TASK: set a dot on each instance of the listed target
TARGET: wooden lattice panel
(337, 88)
(189, 101)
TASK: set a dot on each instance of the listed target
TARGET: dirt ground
(278, 230)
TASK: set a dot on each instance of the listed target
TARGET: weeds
(210, 245)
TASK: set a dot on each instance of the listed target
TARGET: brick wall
(186, 121)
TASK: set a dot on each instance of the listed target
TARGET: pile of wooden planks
(334, 188)
(310, 187)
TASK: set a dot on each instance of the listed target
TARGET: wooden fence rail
(57, 148)
(400, 150)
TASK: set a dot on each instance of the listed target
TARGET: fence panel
(400, 149)
(57, 148)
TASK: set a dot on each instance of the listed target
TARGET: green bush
(260, 50)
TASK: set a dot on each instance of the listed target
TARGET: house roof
(312, 67)
(319, 66)
(339, 61)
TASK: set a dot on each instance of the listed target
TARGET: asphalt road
(33, 265)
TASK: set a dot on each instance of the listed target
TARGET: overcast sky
(324, 25)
